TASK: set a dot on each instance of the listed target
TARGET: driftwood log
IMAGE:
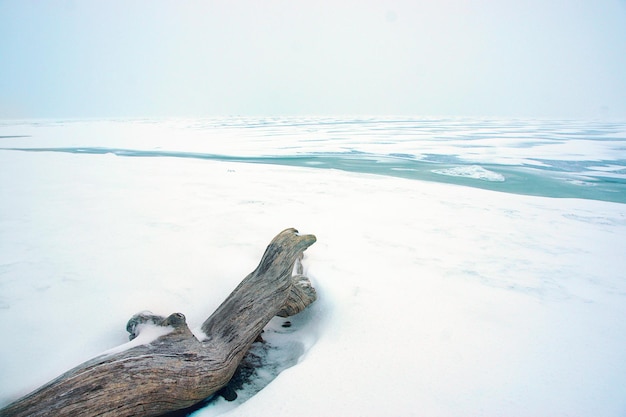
(176, 370)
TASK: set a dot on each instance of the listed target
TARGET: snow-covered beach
(435, 299)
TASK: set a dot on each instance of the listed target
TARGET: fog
(198, 58)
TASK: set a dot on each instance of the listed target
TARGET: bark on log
(176, 370)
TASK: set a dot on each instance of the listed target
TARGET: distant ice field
(532, 157)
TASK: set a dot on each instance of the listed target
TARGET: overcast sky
(137, 58)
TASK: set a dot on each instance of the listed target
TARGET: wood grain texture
(176, 370)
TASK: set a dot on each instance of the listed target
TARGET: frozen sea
(463, 266)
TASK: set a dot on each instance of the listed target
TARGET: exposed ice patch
(473, 171)
(607, 168)
(581, 183)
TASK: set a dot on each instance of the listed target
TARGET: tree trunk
(176, 370)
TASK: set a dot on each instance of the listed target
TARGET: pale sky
(154, 58)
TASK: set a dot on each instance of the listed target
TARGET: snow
(148, 333)
(434, 299)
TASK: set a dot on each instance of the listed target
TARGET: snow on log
(174, 370)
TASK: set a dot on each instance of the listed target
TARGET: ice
(472, 171)
(434, 299)
(536, 157)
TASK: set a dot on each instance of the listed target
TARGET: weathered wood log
(176, 370)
